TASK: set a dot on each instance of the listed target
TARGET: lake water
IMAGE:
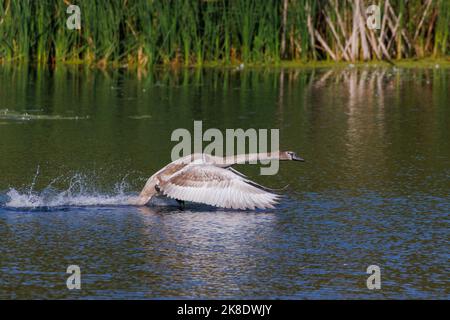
(374, 190)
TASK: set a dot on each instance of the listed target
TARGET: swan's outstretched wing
(218, 187)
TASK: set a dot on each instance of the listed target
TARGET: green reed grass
(195, 32)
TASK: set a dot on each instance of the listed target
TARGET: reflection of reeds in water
(386, 111)
(187, 32)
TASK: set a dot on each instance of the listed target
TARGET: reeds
(195, 32)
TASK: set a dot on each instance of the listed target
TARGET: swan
(211, 180)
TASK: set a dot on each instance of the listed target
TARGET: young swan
(211, 180)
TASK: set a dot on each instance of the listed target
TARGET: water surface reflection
(374, 188)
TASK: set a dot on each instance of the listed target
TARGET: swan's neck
(251, 158)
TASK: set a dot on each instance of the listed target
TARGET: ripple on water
(10, 115)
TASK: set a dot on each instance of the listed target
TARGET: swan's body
(211, 180)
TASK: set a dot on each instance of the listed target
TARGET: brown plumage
(211, 180)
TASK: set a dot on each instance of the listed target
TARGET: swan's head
(290, 155)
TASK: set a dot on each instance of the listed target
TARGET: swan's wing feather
(205, 183)
(236, 172)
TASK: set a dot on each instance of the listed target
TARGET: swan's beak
(297, 158)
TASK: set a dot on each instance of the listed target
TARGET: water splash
(80, 192)
(36, 175)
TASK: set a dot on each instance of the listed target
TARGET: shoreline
(441, 62)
